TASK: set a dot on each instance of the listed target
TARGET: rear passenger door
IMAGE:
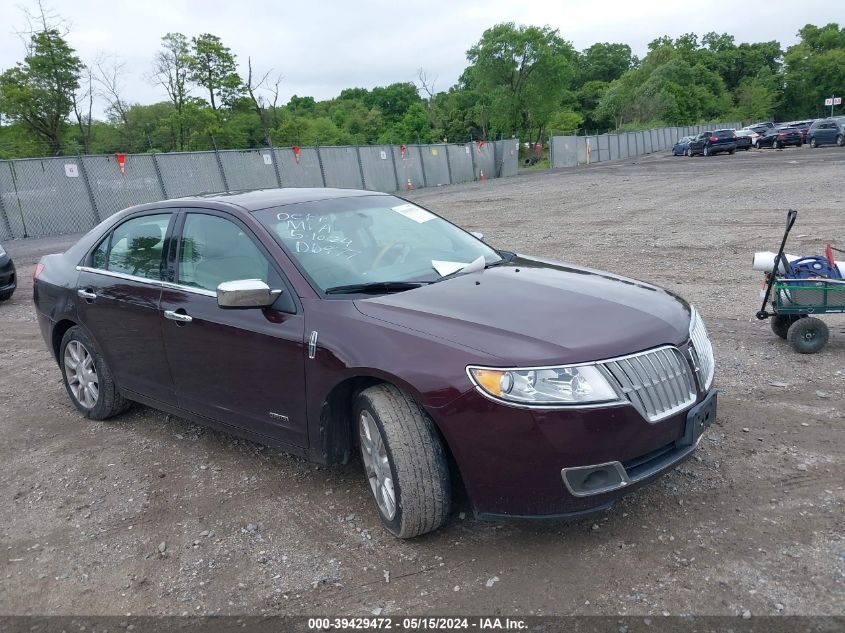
(118, 291)
(245, 368)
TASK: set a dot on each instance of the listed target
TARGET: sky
(323, 46)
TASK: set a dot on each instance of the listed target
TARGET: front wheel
(814, 143)
(5, 296)
(87, 378)
(840, 140)
(731, 152)
(706, 151)
(404, 461)
(689, 152)
(780, 323)
(808, 336)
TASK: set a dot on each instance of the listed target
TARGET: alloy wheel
(81, 374)
(377, 465)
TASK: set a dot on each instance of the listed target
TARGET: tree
(212, 66)
(264, 107)
(605, 62)
(814, 70)
(526, 70)
(170, 70)
(39, 92)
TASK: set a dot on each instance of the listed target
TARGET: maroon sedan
(325, 321)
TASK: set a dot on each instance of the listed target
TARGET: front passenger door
(245, 368)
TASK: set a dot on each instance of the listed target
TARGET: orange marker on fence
(410, 186)
(481, 174)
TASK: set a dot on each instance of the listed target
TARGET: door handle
(179, 317)
(88, 295)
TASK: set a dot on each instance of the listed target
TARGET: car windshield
(347, 243)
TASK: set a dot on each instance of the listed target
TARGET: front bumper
(514, 461)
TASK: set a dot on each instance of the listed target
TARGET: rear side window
(724, 133)
(136, 246)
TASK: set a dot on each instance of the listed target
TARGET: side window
(214, 250)
(99, 254)
(136, 246)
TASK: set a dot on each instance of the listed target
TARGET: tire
(840, 140)
(756, 145)
(706, 151)
(776, 145)
(814, 143)
(780, 323)
(91, 389)
(5, 296)
(393, 425)
(689, 152)
(808, 336)
(731, 152)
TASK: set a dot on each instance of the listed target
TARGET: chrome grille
(658, 382)
(701, 352)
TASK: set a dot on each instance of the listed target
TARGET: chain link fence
(53, 196)
(570, 151)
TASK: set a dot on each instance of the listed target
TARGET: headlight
(549, 386)
(705, 363)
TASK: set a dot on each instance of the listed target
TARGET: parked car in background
(680, 147)
(803, 127)
(333, 321)
(780, 137)
(750, 134)
(829, 131)
(763, 125)
(712, 142)
(8, 275)
(743, 141)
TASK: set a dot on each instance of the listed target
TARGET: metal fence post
(160, 179)
(395, 168)
(220, 164)
(97, 218)
(422, 165)
(472, 158)
(360, 167)
(275, 164)
(448, 164)
(6, 221)
(551, 152)
(320, 161)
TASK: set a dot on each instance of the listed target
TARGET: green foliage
(38, 92)
(526, 70)
(522, 81)
(212, 66)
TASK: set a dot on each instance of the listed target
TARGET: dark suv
(709, 143)
(827, 132)
(8, 280)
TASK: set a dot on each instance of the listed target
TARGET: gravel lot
(148, 514)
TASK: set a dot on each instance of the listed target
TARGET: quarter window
(214, 250)
(136, 246)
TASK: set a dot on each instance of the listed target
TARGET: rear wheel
(814, 143)
(5, 296)
(780, 323)
(689, 152)
(404, 461)
(840, 140)
(777, 145)
(731, 151)
(808, 336)
(87, 378)
(706, 151)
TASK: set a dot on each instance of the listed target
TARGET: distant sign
(837, 100)
(383, 155)
(71, 170)
(828, 102)
(268, 160)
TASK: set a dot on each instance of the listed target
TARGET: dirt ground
(148, 514)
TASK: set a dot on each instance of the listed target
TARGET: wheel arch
(58, 333)
(337, 426)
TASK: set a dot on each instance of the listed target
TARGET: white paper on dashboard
(444, 268)
(447, 268)
(413, 212)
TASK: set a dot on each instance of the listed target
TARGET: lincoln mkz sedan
(329, 322)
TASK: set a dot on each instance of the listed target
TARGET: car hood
(536, 312)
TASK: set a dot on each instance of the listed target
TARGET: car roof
(256, 199)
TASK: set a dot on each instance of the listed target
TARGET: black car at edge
(8, 276)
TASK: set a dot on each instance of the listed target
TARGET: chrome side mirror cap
(246, 293)
(477, 235)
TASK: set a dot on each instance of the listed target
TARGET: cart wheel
(808, 336)
(780, 323)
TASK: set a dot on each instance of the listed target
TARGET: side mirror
(477, 235)
(245, 293)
